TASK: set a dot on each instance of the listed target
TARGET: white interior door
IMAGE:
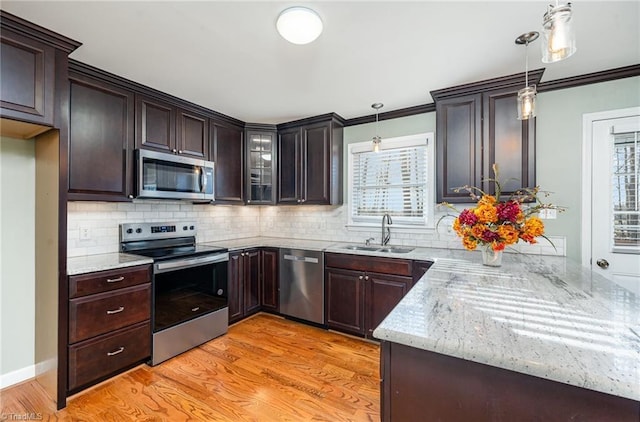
(615, 200)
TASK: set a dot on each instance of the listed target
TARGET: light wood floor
(265, 369)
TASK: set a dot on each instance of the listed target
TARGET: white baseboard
(17, 376)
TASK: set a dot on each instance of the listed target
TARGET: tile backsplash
(221, 222)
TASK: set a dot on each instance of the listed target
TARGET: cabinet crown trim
(511, 81)
(335, 118)
(16, 24)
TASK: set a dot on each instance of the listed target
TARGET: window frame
(395, 143)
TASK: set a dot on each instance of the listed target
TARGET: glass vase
(490, 257)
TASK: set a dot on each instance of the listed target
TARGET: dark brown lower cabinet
(253, 282)
(270, 286)
(383, 292)
(101, 356)
(244, 284)
(344, 300)
(443, 388)
(109, 324)
(361, 291)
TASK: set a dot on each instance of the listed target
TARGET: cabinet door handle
(179, 151)
(116, 352)
(114, 280)
(174, 151)
(366, 277)
(115, 311)
(196, 309)
(360, 277)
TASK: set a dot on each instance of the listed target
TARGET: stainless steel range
(190, 302)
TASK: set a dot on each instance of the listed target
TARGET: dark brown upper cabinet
(477, 126)
(310, 161)
(164, 127)
(260, 164)
(227, 152)
(101, 122)
(30, 57)
(192, 134)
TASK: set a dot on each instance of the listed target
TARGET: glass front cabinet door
(261, 165)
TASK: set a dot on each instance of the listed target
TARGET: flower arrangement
(496, 224)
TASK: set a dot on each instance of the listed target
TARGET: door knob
(603, 263)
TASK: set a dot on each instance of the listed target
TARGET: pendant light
(376, 139)
(299, 25)
(527, 95)
(558, 37)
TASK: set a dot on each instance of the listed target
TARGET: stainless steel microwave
(168, 176)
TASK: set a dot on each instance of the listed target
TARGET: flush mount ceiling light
(558, 37)
(376, 139)
(299, 25)
(527, 95)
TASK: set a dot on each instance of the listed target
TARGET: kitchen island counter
(543, 316)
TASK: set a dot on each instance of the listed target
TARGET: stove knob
(192, 228)
(129, 231)
(138, 230)
(184, 228)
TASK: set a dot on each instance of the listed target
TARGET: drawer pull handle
(116, 352)
(114, 280)
(197, 308)
(115, 311)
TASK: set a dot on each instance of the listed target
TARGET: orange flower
(508, 233)
(498, 246)
(477, 230)
(486, 213)
(469, 243)
(487, 200)
(534, 227)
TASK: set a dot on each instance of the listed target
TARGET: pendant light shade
(527, 103)
(558, 37)
(299, 25)
(377, 139)
(527, 95)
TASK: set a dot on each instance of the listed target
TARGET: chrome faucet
(386, 231)
(368, 241)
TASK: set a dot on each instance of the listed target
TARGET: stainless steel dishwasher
(302, 284)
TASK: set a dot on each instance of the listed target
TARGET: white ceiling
(227, 55)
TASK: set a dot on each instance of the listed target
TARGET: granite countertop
(544, 316)
(102, 262)
(539, 315)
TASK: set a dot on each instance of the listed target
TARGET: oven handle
(178, 264)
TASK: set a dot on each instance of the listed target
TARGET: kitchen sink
(395, 250)
(389, 249)
(361, 248)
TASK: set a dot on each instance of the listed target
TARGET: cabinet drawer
(103, 281)
(368, 263)
(104, 355)
(92, 315)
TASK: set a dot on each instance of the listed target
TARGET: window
(397, 180)
(626, 203)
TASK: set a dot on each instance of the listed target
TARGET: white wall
(17, 260)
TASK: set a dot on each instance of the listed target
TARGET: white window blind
(392, 181)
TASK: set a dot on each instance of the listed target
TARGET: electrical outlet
(85, 233)
(548, 214)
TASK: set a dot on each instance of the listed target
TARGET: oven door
(187, 288)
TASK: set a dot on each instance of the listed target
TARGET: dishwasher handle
(301, 259)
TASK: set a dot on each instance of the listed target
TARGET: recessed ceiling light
(299, 25)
